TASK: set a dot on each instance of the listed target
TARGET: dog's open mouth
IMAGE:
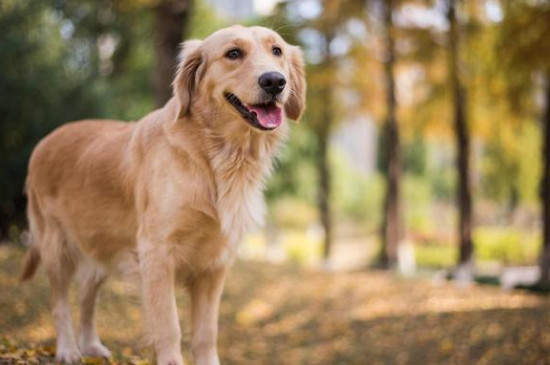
(262, 116)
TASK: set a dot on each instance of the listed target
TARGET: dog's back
(78, 165)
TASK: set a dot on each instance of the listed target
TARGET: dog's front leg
(157, 269)
(206, 291)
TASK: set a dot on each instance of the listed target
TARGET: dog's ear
(296, 103)
(188, 75)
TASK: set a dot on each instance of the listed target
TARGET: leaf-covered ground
(284, 315)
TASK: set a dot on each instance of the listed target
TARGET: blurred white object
(406, 262)
(464, 274)
(440, 277)
(523, 275)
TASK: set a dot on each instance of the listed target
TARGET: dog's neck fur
(240, 170)
(240, 158)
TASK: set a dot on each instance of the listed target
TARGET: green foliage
(435, 256)
(511, 164)
(506, 245)
(418, 195)
(443, 182)
(121, 81)
(203, 21)
(530, 163)
(354, 195)
(415, 156)
(126, 92)
(42, 86)
(295, 172)
(509, 246)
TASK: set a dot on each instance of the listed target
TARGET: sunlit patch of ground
(285, 315)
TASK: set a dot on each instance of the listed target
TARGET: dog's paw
(67, 355)
(96, 349)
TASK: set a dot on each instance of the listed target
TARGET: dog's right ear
(296, 103)
(188, 75)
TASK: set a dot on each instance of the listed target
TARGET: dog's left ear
(188, 75)
(296, 103)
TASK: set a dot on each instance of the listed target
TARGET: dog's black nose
(272, 82)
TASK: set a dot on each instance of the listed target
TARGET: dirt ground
(287, 315)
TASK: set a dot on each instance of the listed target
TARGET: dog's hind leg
(60, 264)
(91, 278)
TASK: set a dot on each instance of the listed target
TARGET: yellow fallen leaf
(139, 362)
(92, 360)
(29, 353)
(446, 346)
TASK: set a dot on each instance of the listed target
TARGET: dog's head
(249, 73)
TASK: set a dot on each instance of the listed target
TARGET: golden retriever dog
(172, 194)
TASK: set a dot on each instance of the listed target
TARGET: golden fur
(173, 193)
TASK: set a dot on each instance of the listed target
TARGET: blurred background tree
(392, 224)
(171, 23)
(528, 86)
(462, 135)
(387, 114)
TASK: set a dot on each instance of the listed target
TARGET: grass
(278, 314)
(508, 246)
(435, 256)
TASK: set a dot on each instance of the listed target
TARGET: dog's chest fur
(240, 174)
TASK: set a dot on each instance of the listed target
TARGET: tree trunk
(323, 135)
(464, 199)
(545, 192)
(391, 226)
(171, 18)
(324, 175)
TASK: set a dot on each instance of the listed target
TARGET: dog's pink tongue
(269, 116)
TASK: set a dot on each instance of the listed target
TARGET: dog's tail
(30, 264)
(32, 257)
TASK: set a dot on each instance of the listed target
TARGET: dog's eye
(234, 54)
(276, 51)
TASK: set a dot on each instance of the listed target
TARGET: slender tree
(334, 14)
(522, 58)
(171, 19)
(391, 225)
(323, 135)
(324, 83)
(545, 189)
(464, 198)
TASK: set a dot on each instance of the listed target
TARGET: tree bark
(545, 191)
(171, 18)
(325, 176)
(391, 226)
(464, 199)
(323, 135)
